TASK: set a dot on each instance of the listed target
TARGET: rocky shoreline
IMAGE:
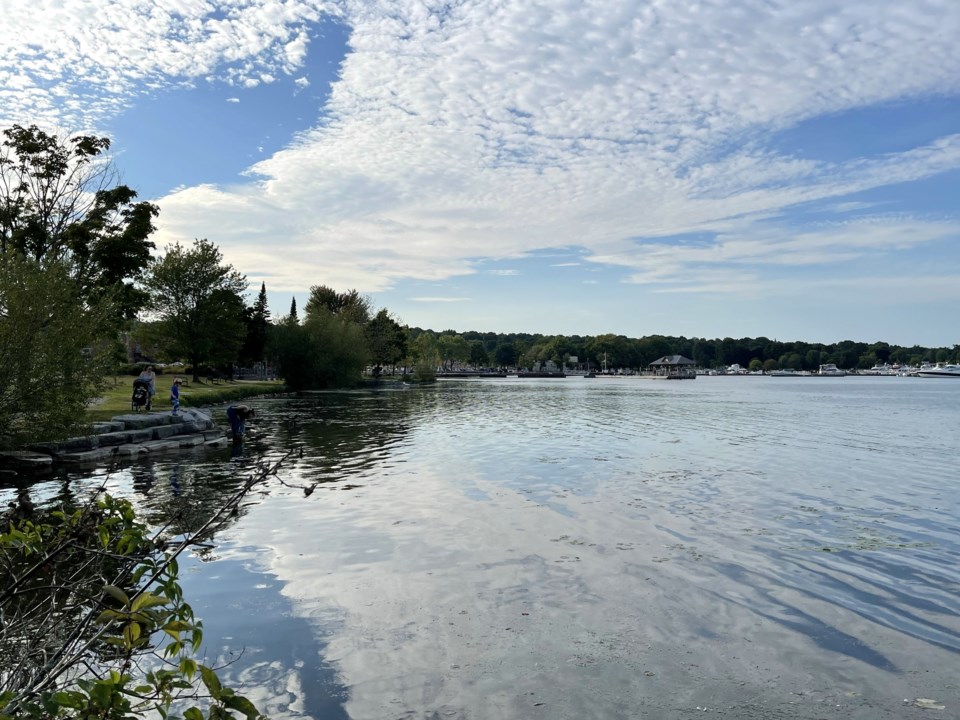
(124, 436)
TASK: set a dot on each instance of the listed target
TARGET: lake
(751, 547)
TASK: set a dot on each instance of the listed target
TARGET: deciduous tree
(50, 365)
(60, 202)
(198, 299)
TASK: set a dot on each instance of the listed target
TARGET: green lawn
(116, 394)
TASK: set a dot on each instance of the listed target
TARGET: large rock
(164, 431)
(112, 439)
(131, 450)
(70, 445)
(26, 459)
(190, 428)
(98, 428)
(90, 456)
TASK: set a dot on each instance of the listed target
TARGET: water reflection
(613, 549)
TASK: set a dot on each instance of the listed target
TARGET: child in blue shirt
(175, 396)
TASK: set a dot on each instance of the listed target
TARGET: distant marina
(677, 367)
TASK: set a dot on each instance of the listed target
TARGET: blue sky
(786, 169)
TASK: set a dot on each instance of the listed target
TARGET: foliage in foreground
(93, 623)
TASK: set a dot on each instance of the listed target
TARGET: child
(175, 396)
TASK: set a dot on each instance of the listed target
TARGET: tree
(292, 317)
(387, 339)
(257, 321)
(50, 367)
(198, 300)
(323, 352)
(425, 355)
(453, 349)
(350, 305)
(59, 203)
(505, 354)
(478, 355)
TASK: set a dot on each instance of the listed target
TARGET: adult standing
(149, 377)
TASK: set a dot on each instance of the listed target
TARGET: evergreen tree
(293, 310)
(257, 321)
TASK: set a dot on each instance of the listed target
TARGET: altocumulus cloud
(493, 130)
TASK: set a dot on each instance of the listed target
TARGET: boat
(939, 370)
(831, 370)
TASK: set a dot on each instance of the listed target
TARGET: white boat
(831, 370)
(940, 370)
(879, 369)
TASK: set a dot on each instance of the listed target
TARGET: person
(175, 396)
(237, 415)
(150, 377)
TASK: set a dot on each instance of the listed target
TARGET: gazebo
(674, 366)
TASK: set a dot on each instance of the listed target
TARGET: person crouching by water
(175, 396)
(237, 415)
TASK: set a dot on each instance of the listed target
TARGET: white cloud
(233, 100)
(439, 299)
(492, 130)
(109, 56)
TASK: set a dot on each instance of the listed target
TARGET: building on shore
(675, 367)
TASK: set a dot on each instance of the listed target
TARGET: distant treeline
(621, 352)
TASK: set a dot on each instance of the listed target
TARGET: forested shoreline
(621, 352)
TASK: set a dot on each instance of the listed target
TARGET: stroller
(141, 395)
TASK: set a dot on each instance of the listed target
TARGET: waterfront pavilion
(674, 366)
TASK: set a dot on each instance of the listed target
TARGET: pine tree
(293, 310)
(260, 308)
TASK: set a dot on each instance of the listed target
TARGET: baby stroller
(141, 395)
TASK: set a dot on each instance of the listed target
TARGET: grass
(116, 394)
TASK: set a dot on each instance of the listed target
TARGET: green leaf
(147, 600)
(102, 694)
(238, 702)
(193, 714)
(176, 626)
(188, 666)
(131, 633)
(211, 680)
(73, 700)
(117, 594)
(108, 616)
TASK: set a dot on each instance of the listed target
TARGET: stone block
(158, 446)
(186, 441)
(189, 428)
(141, 436)
(114, 438)
(89, 456)
(70, 445)
(25, 459)
(131, 449)
(164, 431)
(99, 428)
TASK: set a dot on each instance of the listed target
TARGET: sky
(738, 168)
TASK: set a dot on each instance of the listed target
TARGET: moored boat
(831, 370)
(940, 370)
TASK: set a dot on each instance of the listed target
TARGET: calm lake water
(612, 548)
